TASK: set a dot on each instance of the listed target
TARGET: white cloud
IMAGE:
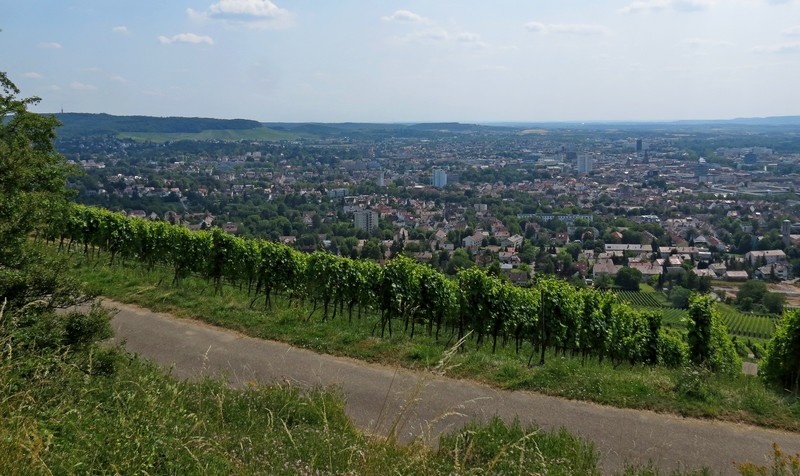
(53, 87)
(82, 86)
(52, 45)
(405, 16)
(186, 38)
(779, 49)
(566, 28)
(704, 42)
(641, 6)
(251, 13)
(793, 31)
(442, 36)
(120, 29)
(470, 39)
(118, 79)
(32, 75)
(433, 34)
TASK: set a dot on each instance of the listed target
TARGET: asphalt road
(420, 405)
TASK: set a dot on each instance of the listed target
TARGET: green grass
(740, 398)
(261, 133)
(90, 409)
(136, 420)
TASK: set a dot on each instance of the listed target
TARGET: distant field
(262, 133)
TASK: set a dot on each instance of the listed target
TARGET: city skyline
(283, 61)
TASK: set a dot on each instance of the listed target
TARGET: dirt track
(376, 395)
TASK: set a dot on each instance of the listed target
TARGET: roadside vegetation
(686, 390)
(69, 405)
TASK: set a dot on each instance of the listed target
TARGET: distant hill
(757, 121)
(162, 129)
(92, 124)
(356, 129)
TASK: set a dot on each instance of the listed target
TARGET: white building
(769, 256)
(585, 163)
(439, 178)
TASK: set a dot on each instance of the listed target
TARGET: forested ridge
(86, 124)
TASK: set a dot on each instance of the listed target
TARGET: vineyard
(638, 299)
(402, 296)
(738, 323)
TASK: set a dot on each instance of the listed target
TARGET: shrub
(679, 297)
(672, 349)
(710, 344)
(782, 361)
(693, 383)
(82, 329)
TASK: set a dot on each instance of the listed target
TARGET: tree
(679, 297)
(781, 364)
(752, 289)
(774, 302)
(709, 343)
(628, 279)
(603, 281)
(459, 260)
(32, 175)
(32, 194)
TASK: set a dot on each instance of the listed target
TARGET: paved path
(375, 395)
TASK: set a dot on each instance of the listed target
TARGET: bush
(757, 349)
(782, 360)
(82, 329)
(628, 279)
(773, 302)
(41, 328)
(693, 383)
(741, 348)
(672, 349)
(679, 297)
(710, 344)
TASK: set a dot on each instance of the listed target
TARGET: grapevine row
(552, 315)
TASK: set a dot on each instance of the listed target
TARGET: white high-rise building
(439, 178)
(585, 163)
(366, 220)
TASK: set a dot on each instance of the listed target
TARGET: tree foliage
(709, 343)
(628, 278)
(32, 193)
(781, 366)
(32, 175)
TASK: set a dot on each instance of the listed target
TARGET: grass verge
(70, 406)
(687, 392)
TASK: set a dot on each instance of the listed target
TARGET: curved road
(420, 405)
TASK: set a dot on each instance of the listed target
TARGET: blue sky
(388, 61)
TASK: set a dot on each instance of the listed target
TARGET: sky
(407, 61)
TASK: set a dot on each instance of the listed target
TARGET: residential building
(769, 257)
(366, 220)
(439, 178)
(585, 163)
